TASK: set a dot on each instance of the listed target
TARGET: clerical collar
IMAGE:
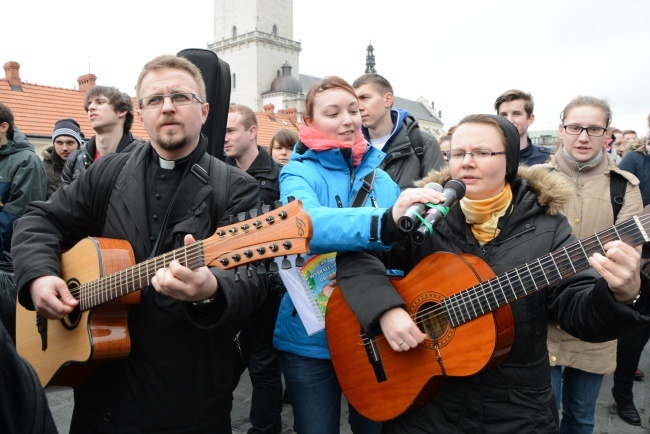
(166, 164)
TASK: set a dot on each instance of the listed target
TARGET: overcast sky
(459, 53)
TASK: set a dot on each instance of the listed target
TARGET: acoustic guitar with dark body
(463, 308)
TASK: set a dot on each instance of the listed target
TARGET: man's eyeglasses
(576, 130)
(476, 154)
(157, 101)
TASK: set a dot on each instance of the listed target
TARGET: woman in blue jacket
(326, 172)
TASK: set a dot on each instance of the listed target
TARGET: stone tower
(255, 37)
(370, 59)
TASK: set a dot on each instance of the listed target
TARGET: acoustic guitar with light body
(101, 274)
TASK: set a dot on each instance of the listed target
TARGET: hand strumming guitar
(51, 297)
(401, 332)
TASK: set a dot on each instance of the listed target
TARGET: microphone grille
(434, 186)
(457, 186)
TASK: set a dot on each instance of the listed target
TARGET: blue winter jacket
(326, 185)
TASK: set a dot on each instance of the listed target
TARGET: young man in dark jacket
(518, 106)
(242, 151)
(66, 138)
(111, 115)
(514, 395)
(410, 152)
(178, 376)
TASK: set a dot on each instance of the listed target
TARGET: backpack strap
(415, 137)
(617, 187)
(219, 175)
(107, 175)
(366, 187)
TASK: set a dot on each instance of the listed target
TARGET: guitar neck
(283, 231)
(138, 276)
(535, 275)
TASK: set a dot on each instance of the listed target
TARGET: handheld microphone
(454, 191)
(410, 219)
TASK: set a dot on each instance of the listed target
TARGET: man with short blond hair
(181, 371)
(410, 152)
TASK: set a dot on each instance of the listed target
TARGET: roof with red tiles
(37, 107)
(268, 123)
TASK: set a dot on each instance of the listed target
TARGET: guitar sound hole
(432, 321)
(71, 320)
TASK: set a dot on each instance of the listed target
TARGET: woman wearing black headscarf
(509, 217)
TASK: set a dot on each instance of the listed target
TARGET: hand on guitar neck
(184, 284)
(51, 297)
(621, 268)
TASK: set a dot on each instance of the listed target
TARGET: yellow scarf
(484, 214)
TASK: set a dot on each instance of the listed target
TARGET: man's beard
(172, 144)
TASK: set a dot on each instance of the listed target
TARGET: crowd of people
(357, 165)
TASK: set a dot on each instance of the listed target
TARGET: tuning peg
(266, 208)
(273, 267)
(237, 275)
(241, 217)
(261, 269)
(277, 204)
(290, 198)
(253, 213)
(286, 263)
(231, 218)
(300, 261)
(249, 271)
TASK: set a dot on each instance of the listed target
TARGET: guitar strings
(480, 292)
(102, 288)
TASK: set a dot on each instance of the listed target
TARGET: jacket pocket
(538, 399)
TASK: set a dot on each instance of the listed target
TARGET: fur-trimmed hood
(552, 189)
(637, 145)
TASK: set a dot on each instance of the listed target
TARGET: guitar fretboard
(535, 275)
(138, 276)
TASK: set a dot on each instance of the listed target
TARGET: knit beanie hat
(67, 127)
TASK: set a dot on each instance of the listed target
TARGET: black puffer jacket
(515, 396)
(266, 172)
(178, 375)
(81, 159)
(401, 162)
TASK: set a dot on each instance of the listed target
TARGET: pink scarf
(314, 140)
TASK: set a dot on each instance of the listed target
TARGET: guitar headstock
(279, 232)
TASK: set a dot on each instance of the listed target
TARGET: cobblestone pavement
(607, 421)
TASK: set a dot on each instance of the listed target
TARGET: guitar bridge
(372, 351)
(439, 357)
(41, 326)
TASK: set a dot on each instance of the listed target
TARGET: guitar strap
(207, 172)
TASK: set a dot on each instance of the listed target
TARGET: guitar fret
(559, 273)
(532, 277)
(468, 313)
(569, 259)
(600, 244)
(616, 232)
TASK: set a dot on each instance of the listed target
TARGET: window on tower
(234, 31)
(274, 30)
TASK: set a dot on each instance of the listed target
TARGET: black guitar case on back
(216, 74)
